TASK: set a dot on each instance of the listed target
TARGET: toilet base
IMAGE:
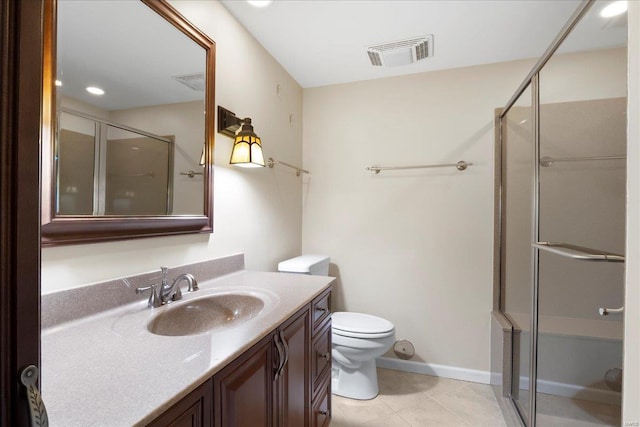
(360, 383)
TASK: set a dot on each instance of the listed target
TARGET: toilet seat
(360, 325)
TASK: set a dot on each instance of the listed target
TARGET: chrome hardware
(191, 173)
(548, 161)
(154, 298)
(286, 350)
(607, 311)
(578, 252)
(37, 411)
(283, 353)
(461, 165)
(164, 293)
(325, 356)
(172, 292)
(322, 309)
(280, 348)
(271, 162)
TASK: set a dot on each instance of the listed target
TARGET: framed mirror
(128, 122)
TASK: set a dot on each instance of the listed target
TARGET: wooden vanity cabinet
(243, 389)
(195, 410)
(293, 383)
(321, 360)
(282, 381)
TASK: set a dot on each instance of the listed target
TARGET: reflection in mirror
(115, 146)
(128, 107)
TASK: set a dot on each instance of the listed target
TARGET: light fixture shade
(247, 147)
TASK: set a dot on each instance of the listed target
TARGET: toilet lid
(350, 324)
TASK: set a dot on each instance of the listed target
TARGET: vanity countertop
(109, 370)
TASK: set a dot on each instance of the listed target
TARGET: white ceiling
(126, 49)
(322, 42)
(132, 53)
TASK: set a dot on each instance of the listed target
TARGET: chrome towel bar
(548, 161)
(602, 311)
(578, 252)
(461, 165)
(271, 162)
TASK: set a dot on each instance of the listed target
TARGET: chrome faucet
(166, 292)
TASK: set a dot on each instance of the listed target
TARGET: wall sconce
(247, 147)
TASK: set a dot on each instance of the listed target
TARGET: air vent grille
(422, 51)
(375, 58)
(401, 52)
(193, 81)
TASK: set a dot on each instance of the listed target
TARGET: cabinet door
(243, 390)
(192, 411)
(292, 390)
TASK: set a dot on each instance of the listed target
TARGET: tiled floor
(421, 401)
(415, 400)
(558, 411)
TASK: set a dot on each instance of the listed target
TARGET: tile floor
(407, 399)
(414, 400)
(558, 411)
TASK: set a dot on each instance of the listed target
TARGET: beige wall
(631, 385)
(415, 247)
(257, 212)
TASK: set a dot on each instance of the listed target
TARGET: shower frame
(526, 416)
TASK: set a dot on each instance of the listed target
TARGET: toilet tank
(317, 265)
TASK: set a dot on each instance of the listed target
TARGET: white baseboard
(444, 371)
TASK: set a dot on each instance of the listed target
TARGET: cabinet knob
(323, 413)
(322, 309)
(325, 356)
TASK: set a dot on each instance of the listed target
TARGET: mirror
(128, 122)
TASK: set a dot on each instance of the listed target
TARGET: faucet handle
(154, 298)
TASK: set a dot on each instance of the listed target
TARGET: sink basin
(205, 314)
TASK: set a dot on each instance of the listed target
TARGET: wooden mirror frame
(60, 230)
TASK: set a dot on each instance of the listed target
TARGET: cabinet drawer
(321, 407)
(320, 310)
(321, 355)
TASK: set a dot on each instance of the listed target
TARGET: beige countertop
(108, 370)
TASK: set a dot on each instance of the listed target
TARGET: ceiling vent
(192, 81)
(401, 52)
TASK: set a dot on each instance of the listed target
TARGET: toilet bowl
(357, 338)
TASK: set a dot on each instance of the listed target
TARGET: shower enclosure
(560, 229)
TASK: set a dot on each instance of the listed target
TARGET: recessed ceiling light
(614, 9)
(260, 3)
(58, 83)
(95, 90)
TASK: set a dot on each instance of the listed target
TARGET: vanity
(103, 365)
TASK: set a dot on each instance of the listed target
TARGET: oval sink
(205, 314)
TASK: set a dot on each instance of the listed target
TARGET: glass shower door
(582, 203)
(517, 192)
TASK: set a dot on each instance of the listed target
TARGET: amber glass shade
(247, 148)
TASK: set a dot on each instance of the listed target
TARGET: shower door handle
(607, 311)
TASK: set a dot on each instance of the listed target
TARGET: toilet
(357, 338)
